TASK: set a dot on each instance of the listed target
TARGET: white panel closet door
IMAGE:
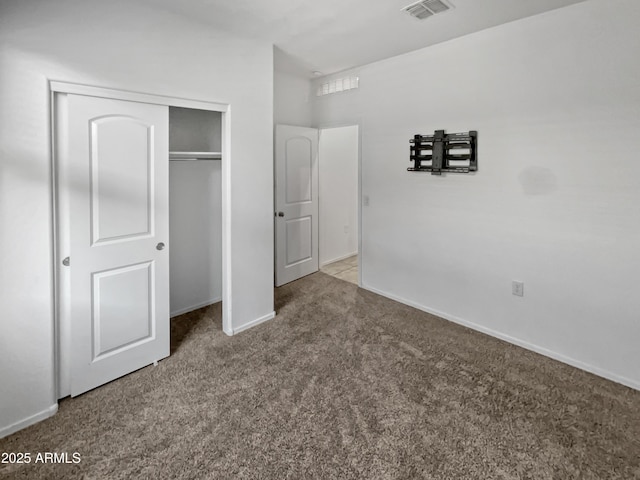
(119, 222)
(296, 178)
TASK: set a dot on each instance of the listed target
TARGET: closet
(195, 209)
(138, 220)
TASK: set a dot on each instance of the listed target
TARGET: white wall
(192, 130)
(556, 101)
(132, 47)
(338, 188)
(291, 91)
(195, 248)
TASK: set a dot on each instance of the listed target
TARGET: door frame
(57, 89)
(354, 123)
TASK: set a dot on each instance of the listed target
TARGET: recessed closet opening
(195, 208)
(141, 215)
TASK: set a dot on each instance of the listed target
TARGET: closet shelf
(195, 156)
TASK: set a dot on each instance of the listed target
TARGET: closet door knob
(160, 246)
(281, 214)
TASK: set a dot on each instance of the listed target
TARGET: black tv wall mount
(444, 152)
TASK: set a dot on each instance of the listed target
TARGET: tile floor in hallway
(346, 269)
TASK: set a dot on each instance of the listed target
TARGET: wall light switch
(365, 200)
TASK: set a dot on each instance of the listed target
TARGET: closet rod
(191, 159)
(174, 155)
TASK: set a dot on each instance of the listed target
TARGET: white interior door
(296, 198)
(117, 169)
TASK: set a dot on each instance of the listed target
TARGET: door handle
(281, 214)
(160, 246)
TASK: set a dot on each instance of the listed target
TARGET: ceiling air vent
(426, 8)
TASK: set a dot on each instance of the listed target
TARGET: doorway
(317, 202)
(338, 205)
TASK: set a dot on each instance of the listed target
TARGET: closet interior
(195, 208)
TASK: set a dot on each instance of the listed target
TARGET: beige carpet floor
(342, 384)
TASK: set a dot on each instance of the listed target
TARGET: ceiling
(333, 35)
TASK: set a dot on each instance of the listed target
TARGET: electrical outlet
(517, 288)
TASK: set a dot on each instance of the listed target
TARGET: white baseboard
(328, 262)
(253, 323)
(27, 422)
(515, 341)
(195, 307)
